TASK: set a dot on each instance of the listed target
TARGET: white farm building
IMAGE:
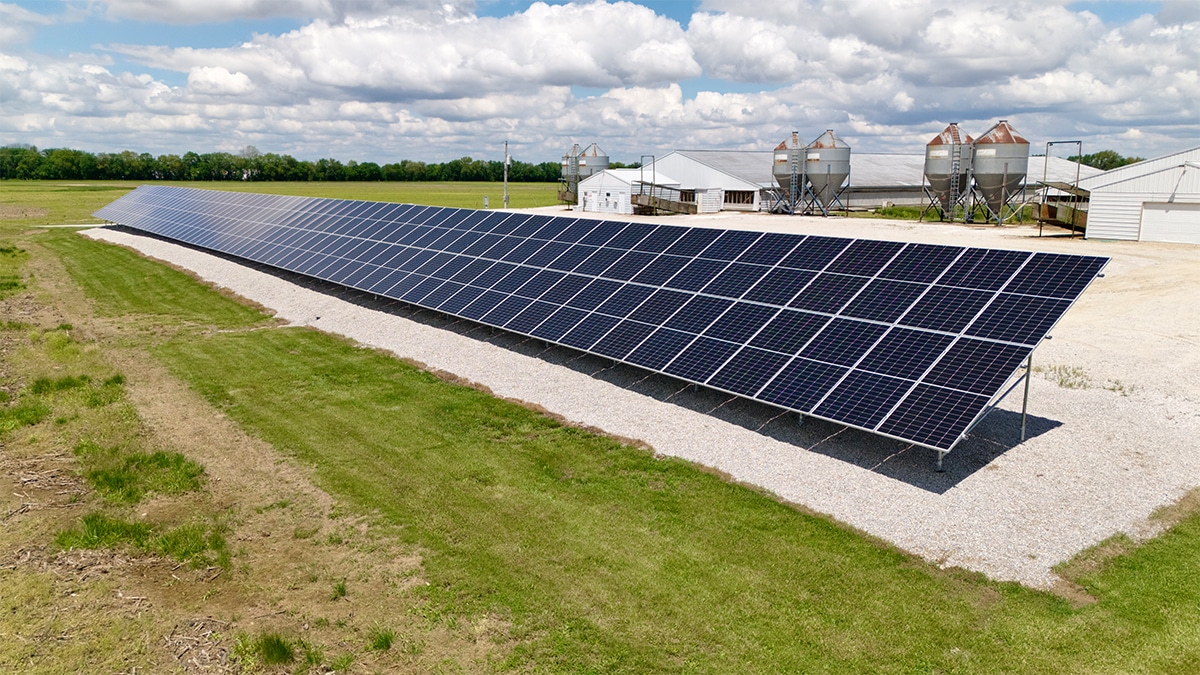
(1153, 200)
(610, 190)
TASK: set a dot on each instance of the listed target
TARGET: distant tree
(1105, 160)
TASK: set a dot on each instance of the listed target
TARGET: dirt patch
(18, 212)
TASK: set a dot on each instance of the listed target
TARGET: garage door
(1171, 222)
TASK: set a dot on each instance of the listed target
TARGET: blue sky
(383, 80)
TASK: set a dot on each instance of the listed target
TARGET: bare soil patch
(18, 212)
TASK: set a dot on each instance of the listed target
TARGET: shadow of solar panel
(914, 341)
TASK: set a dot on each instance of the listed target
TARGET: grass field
(53, 203)
(563, 550)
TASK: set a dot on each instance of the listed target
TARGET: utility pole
(506, 161)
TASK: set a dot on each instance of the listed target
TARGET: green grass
(380, 638)
(199, 544)
(126, 476)
(608, 559)
(122, 283)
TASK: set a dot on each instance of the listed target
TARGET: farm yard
(208, 467)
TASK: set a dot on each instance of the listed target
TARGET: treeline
(29, 163)
(1105, 159)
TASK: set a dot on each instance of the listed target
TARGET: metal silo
(788, 170)
(827, 167)
(948, 169)
(999, 163)
(579, 164)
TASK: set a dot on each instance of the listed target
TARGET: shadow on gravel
(914, 465)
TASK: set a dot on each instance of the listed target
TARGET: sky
(433, 80)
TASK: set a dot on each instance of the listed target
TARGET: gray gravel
(1101, 457)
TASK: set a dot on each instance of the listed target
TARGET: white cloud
(17, 24)
(218, 81)
(210, 11)
(379, 80)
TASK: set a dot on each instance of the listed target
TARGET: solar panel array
(912, 341)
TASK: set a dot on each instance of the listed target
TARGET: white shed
(735, 176)
(1154, 200)
(608, 191)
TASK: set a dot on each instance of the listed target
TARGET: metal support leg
(799, 420)
(941, 456)
(1025, 402)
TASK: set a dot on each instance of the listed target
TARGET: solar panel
(912, 341)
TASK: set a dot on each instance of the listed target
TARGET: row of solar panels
(912, 341)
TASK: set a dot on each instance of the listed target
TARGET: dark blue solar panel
(740, 322)
(693, 242)
(589, 330)
(660, 270)
(630, 264)
(843, 341)
(701, 359)
(779, 286)
(698, 313)
(906, 353)
(529, 318)
(599, 261)
(624, 301)
(557, 324)
(912, 340)
(921, 263)
(939, 415)
(865, 257)
(660, 306)
(696, 274)
(596, 292)
(730, 245)
(801, 384)
(985, 269)
(1018, 318)
(863, 398)
(884, 300)
(946, 309)
(815, 253)
(1055, 275)
(735, 280)
(622, 339)
(748, 371)
(977, 366)
(829, 292)
(789, 331)
(660, 348)
(769, 249)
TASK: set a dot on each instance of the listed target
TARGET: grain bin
(999, 163)
(578, 164)
(827, 167)
(948, 167)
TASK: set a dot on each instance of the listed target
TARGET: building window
(739, 196)
(688, 196)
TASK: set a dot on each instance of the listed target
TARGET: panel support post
(941, 456)
(1025, 402)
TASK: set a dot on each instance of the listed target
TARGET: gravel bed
(1104, 451)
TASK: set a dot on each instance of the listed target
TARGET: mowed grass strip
(123, 283)
(608, 559)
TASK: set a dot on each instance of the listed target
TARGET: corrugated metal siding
(692, 174)
(1114, 215)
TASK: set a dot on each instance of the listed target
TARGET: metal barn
(1154, 200)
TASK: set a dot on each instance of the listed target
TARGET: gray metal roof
(868, 169)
